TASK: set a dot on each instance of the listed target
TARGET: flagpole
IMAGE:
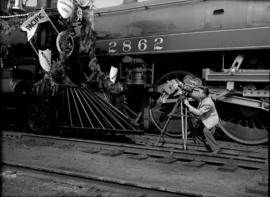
(33, 47)
(51, 22)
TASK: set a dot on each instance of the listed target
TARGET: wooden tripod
(183, 121)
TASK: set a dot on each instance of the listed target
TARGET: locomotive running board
(243, 75)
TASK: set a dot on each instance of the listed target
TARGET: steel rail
(259, 150)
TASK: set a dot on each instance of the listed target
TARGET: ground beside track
(200, 181)
(21, 182)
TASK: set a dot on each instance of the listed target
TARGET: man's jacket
(207, 112)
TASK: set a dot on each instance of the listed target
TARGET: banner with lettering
(31, 24)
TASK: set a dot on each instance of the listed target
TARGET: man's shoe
(195, 140)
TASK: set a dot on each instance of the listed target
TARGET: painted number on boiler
(112, 47)
(136, 45)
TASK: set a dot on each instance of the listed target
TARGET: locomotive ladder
(84, 109)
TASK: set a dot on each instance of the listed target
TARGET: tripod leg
(183, 124)
(167, 122)
(185, 131)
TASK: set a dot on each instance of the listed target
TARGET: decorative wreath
(65, 43)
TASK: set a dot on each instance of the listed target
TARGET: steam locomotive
(224, 43)
(221, 44)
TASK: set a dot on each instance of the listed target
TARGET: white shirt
(207, 112)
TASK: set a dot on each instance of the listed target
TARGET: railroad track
(256, 158)
(228, 148)
(171, 158)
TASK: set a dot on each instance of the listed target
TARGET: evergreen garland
(81, 26)
(9, 25)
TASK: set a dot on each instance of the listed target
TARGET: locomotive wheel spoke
(261, 124)
(242, 124)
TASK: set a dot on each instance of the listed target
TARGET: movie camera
(177, 89)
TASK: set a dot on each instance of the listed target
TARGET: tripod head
(185, 90)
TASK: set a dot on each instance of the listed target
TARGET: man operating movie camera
(206, 113)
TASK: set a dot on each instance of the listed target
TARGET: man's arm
(203, 109)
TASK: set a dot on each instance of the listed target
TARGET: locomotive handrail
(142, 5)
(247, 75)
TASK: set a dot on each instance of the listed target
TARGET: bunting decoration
(31, 24)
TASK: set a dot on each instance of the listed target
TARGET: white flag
(45, 59)
(31, 24)
(113, 74)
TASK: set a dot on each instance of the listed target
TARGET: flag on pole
(45, 57)
(31, 24)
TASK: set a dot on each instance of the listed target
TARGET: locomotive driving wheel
(159, 112)
(243, 124)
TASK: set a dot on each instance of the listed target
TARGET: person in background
(207, 114)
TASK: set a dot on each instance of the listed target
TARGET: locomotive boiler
(221, 44)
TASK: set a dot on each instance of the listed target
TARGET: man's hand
(186, 102)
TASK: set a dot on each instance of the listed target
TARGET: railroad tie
(166, 160)
(228, 167)
(195, 163)
(138, 157)
(91, 151)
(112, 153)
